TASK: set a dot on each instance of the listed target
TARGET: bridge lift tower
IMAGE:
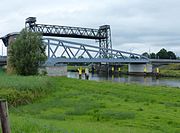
(101, 35)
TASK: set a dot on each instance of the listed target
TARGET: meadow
(61, 105)
(171, 70)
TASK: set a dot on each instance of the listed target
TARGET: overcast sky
(136, 25)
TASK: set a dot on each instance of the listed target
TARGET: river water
(173, 82)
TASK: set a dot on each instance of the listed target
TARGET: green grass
(77, 106)
(43, 104)
(22, 90)
(171, 70)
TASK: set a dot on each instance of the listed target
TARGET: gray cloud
(137, 25)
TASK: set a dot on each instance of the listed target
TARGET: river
(150, 81)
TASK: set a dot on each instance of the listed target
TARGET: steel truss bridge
(61, 51)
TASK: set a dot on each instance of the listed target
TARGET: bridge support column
(11, 39)
(139, 69)
(60, 70)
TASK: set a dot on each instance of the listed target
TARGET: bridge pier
(102, 68)
(10, 39)
(59, 70)
(108, 68)
(139, 69)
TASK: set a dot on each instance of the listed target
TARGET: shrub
(26, 53)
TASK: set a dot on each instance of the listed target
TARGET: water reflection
(130, 79)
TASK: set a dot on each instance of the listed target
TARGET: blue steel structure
(61, 51)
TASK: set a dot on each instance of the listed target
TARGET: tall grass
(23, 89)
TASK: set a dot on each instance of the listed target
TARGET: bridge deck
(163, 61)
(153, 61)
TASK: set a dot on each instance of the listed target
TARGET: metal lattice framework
(101, 35)
(61, 51)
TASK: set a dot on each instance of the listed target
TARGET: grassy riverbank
(171, 70)
(63, 105)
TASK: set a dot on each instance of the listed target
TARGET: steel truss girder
(102, 35)
(87, 53)
(67, 31)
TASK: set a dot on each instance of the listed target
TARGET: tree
(153, 56)
(162, 54)
(27, 53)
(171, 55)
(146, 54)
(63, 57)
(81, 57)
